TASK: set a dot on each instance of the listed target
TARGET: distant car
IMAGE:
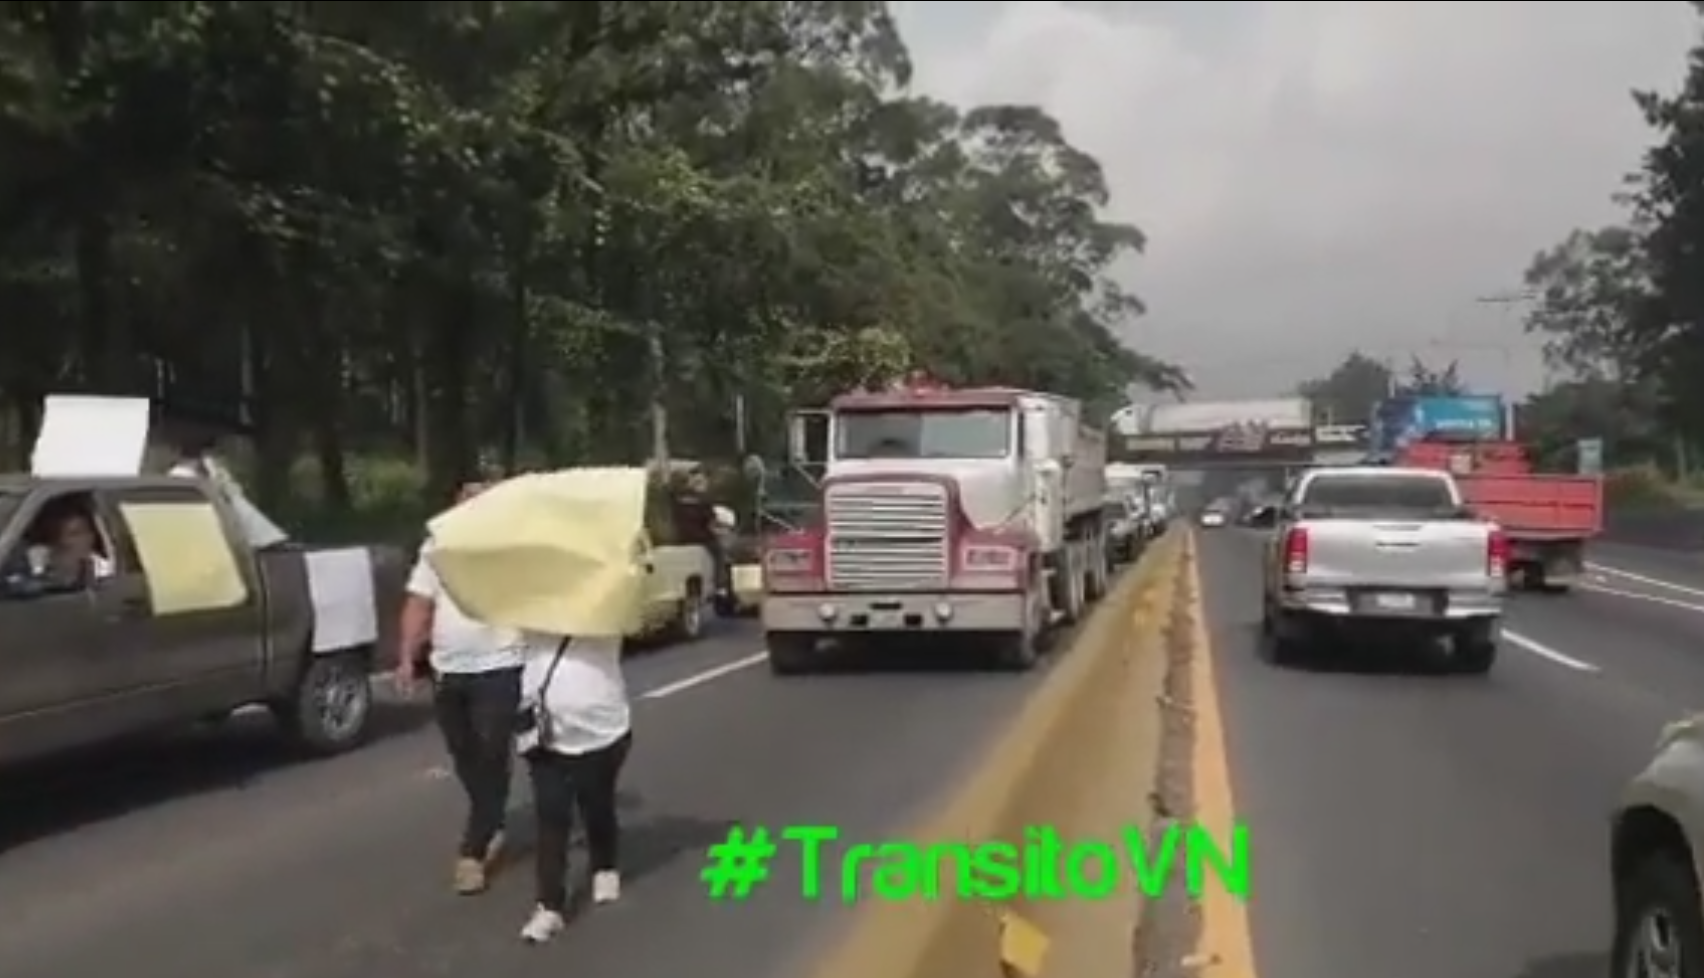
(1132, 526)
(1216, 514)
(1659, 924)
(1261, 514)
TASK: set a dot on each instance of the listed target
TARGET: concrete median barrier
(1081, 757)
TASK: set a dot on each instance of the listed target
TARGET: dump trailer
(1548, 518)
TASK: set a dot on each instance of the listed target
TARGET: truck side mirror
(1036, 435)
(807, 438)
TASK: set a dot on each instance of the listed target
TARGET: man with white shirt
(476, 672)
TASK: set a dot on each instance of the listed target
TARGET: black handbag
(535, 716)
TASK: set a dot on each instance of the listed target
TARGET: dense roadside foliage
(1621, 308)
(443, 231)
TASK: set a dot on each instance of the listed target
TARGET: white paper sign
(340, 585)
(91, 436)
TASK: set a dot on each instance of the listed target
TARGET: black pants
(561, 783)
(476, 712)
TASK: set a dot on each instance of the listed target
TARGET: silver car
(1655, 874)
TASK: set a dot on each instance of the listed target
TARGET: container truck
(952, 513)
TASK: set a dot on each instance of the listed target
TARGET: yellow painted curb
(1081, 756)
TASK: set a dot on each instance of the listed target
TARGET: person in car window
(77, 548)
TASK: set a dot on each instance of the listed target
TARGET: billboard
(1401, 420)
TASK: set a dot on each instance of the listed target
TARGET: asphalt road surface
(1413, 825)
(214, 855)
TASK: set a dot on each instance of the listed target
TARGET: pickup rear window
(1382, 493)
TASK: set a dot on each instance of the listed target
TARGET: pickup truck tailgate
(1550, 505)
(1397, 553)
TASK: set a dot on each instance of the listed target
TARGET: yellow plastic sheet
(748, 581)
(550, 552)
(186, 557)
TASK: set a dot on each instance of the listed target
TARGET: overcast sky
(1317, 176)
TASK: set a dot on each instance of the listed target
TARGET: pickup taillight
(1497, 553)
(1296, 550)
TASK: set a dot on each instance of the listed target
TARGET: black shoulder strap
(550, 673)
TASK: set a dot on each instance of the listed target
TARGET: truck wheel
(1099, 574)
(1073, 586)
(688, 623)
(1016, 652)
(331, 709)
(791, 653)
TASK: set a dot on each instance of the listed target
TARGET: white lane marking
(700, 678)
(1547, 653)
(442, 772)
(1643, 579)
(1636, 596)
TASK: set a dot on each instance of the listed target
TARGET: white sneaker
(542, 926)
(606, 886)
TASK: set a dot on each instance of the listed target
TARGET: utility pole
(659, 410)
(1508, 302)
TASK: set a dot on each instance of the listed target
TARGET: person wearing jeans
(476, 671)
(576, 731)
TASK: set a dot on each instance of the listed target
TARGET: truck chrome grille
(887, 536)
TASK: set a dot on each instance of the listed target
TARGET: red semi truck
(1547, 517)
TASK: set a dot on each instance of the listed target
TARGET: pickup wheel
(329, 712)
(688, 623)
(791, 653)
(1278, 644)
(1475, 649)
(1657, 926)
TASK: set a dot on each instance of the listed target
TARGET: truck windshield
(1380, 493)
(923, 434)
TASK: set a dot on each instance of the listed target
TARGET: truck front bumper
(825, 614)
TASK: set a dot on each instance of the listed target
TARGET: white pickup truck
(1383, 553)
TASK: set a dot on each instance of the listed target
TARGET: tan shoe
(470, 877)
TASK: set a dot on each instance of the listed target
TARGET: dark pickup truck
(145, 634)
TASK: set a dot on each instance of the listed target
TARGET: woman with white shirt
(576, 730)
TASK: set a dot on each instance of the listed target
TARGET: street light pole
(1507, 301)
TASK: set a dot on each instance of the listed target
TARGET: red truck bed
(1555, 506)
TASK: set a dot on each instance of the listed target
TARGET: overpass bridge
(1223, 448)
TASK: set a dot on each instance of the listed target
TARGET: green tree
(1585, 291)
(1351, 391)
(1665, 336)
(1424, 380)
(530, 231)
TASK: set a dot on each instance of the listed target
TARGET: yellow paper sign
(748, 580)
(186, 557)
(549, 552)
(1023, 946)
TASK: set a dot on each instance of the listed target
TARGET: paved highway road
(1408, 825)
(215, 857)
